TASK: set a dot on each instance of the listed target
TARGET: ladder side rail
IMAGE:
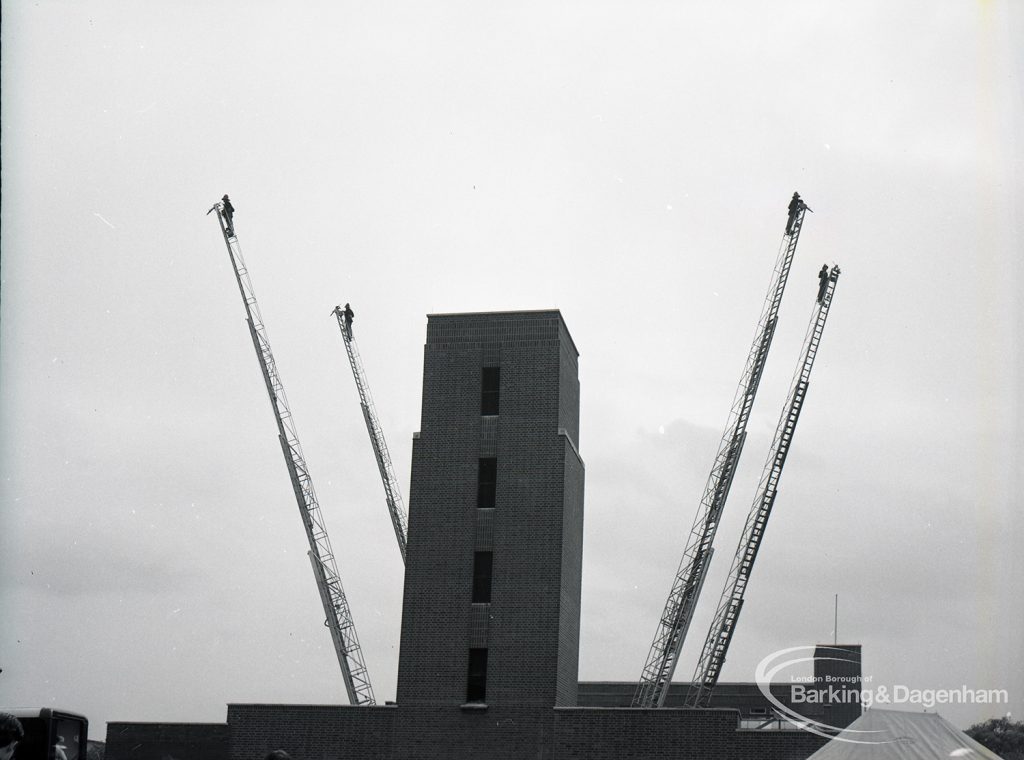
(720, 634)
(332, 594)
(653, 687)
(688, 582)
(392, 495)
(385, 465)
(381, 453)
(355, 675)
(728, 613)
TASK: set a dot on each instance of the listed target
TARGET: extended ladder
(392, 493)
(332, 595)
(724, 625)
(689, 579)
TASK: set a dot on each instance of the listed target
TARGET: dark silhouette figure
(11, 732)
(347, 315)
(278, 754)
(796, 205)
(822, 282)
(229, 216)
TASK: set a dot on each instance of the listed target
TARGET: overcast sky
(628, 163)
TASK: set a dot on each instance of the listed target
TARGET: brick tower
(491, 614)
(492, 584)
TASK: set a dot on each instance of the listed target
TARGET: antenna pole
(835, 626)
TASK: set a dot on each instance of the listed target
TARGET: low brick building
(488, 666)
(166, 741)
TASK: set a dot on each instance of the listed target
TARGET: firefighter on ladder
(795, 205)
(227, 211)
(348, 315)
(229, 215)
(825, 276)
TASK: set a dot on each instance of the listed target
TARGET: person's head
(278, 754)
(11, 733)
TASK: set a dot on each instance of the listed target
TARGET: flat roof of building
(523, 312)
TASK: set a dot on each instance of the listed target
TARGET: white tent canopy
(895, 735)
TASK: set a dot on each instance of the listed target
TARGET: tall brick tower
(491, 616)
(492, 584)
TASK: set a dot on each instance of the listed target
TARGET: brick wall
(531, 626)
(166, 741)
(310, 732)
(569, 388)
(497, 733)
(630, 734)
(746, 697)
(776, 745)
(572, 578)
(839, 667)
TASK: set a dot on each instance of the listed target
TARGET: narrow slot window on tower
(476, 678)
(482, 564)
(489, 383)
(487, 483)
